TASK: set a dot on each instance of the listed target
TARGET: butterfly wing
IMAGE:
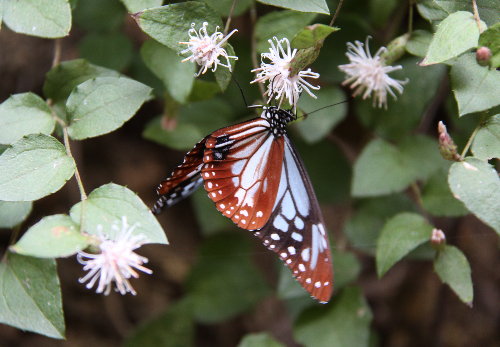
(295, 230)
(242, 171)
(183, 181)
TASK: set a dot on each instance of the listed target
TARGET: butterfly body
(255, 177)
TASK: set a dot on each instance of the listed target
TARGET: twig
(228, 22)
(476, 16)
(255, 63)
(57, 53)
(337, 10)
(469, 141)
(410, 16)
(67, 145)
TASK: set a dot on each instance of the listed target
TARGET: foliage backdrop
(119, 85)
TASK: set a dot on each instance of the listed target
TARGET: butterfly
(255, 177)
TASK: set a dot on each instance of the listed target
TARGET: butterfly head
(278, 119)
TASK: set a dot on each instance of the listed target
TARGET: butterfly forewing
(183, 181)
(242, 172)
(296, 231)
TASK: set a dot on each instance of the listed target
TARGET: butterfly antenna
(322, 108)
(241, 91)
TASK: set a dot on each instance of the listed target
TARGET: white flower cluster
(367, 74)
(282, 84)
(206, 49)
(116, 261)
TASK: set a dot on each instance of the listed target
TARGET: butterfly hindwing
(242, 172)
(183, 181)
(296, 231)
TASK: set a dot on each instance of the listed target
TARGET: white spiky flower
(368, 74)
(206, 49)
(116, 261)
(278, 72)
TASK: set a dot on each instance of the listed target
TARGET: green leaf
(203, 90)
(173, 328)
(216, 288)
(167, 65)
(452, 267)
(491, 39)
(42, 18)
(223, 75)
(194, 122)
(52, 237)
(311, 35)
(422, 156)
(370, 215)
(486, 144)
(182, 137)
(280, 24)
(24, 114)
(316, 6)
(321, 122)
(34, 167)
(475, 87)
(223, 7)
(431, 11)
(379, 170)
(438, 199)
(134, 6)
(419, 42)
(31, 296)
(343, 322)
(99, 15)
(488, 9)
(404, 114)
(455, 35)
(259, 340)
(383, 168)
(210, 220)
(101, 105)
(112, 50)
(108, 204)
(170, 24)
(476, 184)
(61, 79)
(400, 235)
(347, 269)
(12, 213)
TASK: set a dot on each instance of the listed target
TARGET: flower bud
(438, 239)
(483, 56)
(447, 147)
(304, 58)
(395, 49)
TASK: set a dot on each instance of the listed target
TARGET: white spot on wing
(280, 223)
(297, 237)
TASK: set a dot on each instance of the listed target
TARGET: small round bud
(483, 56)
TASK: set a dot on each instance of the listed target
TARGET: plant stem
(337, 10)
(253, 19)
(67, 145)
(469, 141)
(410, 17)
(476, 16)
(228, 22)
(57, 53)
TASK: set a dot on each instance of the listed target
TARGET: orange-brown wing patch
(242, 172)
